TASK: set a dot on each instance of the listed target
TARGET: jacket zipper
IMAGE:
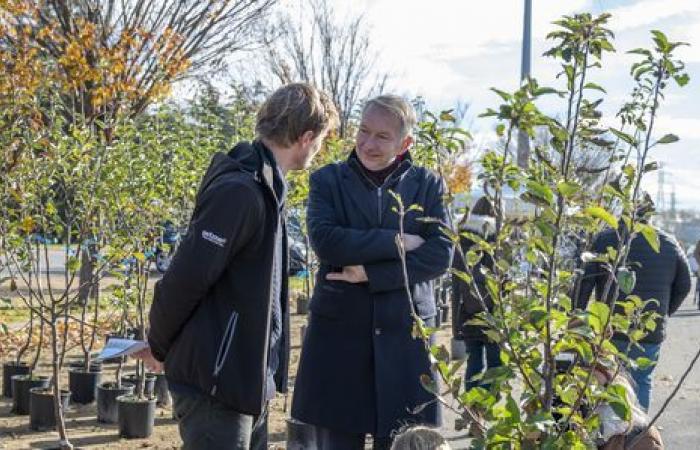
(266, 355)
(224, 348)
(379, 205)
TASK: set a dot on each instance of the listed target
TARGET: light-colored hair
(419, 438)
(397, 107)
(292, 110)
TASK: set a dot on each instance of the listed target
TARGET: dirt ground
(86, 432)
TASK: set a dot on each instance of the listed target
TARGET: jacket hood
(244, 157)
(482, 225)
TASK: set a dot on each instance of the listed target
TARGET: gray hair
(419, 438)
(398, 107)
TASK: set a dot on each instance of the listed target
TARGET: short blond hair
(397, 107)
(292, 110)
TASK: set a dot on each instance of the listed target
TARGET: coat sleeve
(224, 221)
(681, 282)
(425, 263)
(342, 246)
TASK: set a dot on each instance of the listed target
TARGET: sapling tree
(532, 401)
(59, 171)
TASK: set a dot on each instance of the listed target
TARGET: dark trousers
(476, 351)
(205, 423)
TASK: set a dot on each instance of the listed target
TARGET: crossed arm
(371, 255)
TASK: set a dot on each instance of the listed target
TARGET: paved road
(680, 423)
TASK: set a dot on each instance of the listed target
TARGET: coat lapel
(360, 193)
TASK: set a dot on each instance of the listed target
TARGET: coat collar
(367, 197)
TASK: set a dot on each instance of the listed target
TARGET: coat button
(377, 331)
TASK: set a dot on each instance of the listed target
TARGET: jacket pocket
(424, 300)
(224, 347)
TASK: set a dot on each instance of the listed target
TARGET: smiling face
(380, 138)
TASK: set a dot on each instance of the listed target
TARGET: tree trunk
(58, 407)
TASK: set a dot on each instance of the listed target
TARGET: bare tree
(334, 54)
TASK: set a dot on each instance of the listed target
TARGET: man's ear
(306, 138)
(406, 143)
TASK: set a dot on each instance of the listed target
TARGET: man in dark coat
(360, 367)
(219, 319)
(663, 276)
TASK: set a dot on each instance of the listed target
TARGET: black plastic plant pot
(80, 365)
(42, 416)
(107, 393)
(136, 416)
(21, 384)
(83, 385)
(149, 387)
(161, 390)
(8, 370)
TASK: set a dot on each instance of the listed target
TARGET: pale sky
(450, 50)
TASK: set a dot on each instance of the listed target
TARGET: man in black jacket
(663, 276)
(360, 368)
(219, 319)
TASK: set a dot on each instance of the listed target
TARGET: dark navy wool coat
(360, 368)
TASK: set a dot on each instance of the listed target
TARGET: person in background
(482, 354)
(663, 276)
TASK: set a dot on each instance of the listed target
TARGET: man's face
(379, 139)
(308, 148)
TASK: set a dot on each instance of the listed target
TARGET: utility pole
(525, 72)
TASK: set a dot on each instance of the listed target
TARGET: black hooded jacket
(663, 276)
(210, 318)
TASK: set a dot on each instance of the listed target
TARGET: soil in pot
(21, 384)
(42, 416)
(80, 365)
(149, 387)
(161, 390)
(107, 393)
(136, 416)
(8, 370)
(83, 385)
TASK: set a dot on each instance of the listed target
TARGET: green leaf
(623, 136)
(447, 116)
(626, 279)
(668, 139)
(73, 264)
(643, 362)
(682, 80)
(500, 129)
(598, 315)
(540, 191)
(599, 212)
(568, 188)
(650, 235)
(594, 86)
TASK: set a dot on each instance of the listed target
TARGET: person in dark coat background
(478, 346)
(360, 368)
(663, 276)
